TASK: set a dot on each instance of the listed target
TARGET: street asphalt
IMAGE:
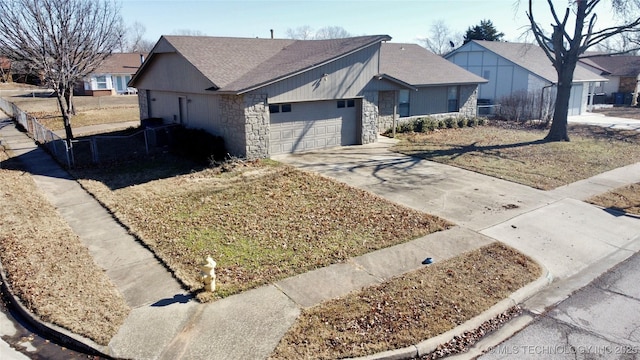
(574, 241)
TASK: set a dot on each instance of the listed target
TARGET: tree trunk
(68, 97)
(66, 118)
(558, 131)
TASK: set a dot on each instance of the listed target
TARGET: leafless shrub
(523, 106)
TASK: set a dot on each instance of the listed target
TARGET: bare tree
(63, 40)
(332, 32)
(306, 32)
(441, 39)
(619, 44)
(300, 33)
(188, 32)
(565, 46)
(134, 40)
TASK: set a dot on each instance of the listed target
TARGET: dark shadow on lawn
(138, 171)
(114, 175)
(455, 151)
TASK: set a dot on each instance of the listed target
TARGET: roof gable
(533, 59)
(415, 65)
(238, 65)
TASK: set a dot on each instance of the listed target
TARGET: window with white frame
(101, 82)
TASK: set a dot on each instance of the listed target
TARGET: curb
(430, 345)
(61, 335)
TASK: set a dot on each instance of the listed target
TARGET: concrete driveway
(467, 198)
(554, 227)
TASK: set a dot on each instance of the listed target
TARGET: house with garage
(112, 76)
(274, 96)
(419, 82)
(519, 67)
(623, 75)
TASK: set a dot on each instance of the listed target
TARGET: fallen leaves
(49, 268)
(261, 222)
(508, 150)
(410, 308)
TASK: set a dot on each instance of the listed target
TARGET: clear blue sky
(404, 21)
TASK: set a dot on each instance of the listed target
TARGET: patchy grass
(625, 199)
(261, 222)
(410, 308)
(47, 265)
(90, 110)
(518, 154)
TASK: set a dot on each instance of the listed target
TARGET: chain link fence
(94, 149)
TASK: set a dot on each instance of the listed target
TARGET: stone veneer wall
(232, 121)
(370, 117)
(470, 94)
(143, 104)
(256, 115)
(385, 104)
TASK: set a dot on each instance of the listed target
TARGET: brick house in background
(112, 76)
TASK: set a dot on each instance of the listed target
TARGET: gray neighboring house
(418, 82)
(514, 67)
(274, 96)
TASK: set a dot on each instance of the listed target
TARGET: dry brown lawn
(261, 222)
(517, 154)
(625, 199)
(47, 265)
(90, 109)
(410, 308)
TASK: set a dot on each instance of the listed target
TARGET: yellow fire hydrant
(209, 274)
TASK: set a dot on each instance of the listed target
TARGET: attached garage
(296, 127)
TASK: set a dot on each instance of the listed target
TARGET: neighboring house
(273, 96)
(518, 67)
(623, 73)
(420, 82)
(113, 75)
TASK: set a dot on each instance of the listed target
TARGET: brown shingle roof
(617, 65)
(120, 63)
(415, 65)
(532, 58)
(243, 64)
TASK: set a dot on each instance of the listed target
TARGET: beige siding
(345, 78)
(200, 112)
(171, 72)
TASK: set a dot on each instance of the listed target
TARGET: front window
(101, 82)
(403, 103)
(452, 99)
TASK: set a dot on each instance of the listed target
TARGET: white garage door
(313, 125)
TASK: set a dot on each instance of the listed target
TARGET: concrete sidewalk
(564, 234)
